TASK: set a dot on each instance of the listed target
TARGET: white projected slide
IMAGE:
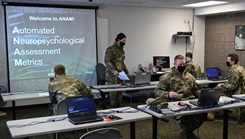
(40, 38)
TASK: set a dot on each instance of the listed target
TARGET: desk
(206, 81)
(225, 108)
(239, 96)
(17, 96)
(54, 127)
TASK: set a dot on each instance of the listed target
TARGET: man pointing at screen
(114, 60)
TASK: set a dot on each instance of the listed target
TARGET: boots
(210, 116)
(2, 113)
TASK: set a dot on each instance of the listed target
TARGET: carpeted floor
(209, 129)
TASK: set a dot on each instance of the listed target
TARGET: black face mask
(181, 69)
(122, 44)
(228, 64)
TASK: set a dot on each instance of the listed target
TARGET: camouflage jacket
(114, 60)
(233, 86)
(190, 67)
(64, 86)
(183, 84)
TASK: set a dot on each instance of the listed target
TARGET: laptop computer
(213, 74)
(208, 97)
(81, 109)
(142, 78)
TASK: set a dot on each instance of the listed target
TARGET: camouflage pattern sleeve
(84, 91)
(232, 83)
(125, 68)
(51, 94)
(108, 60)
(163, 87)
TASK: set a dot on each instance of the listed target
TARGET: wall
(220, 40)
(149, 33)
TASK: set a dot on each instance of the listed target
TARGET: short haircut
(59, 70)
(188, 54)
(178, 57)
(234, 57)
(120, 36)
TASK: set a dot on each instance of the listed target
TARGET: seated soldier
(65, 86)
(176, 86)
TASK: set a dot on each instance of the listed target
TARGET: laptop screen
(212, 72)
(80, 106)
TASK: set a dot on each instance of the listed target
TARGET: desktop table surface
(172, 105)
(55, 126)
(29, 95)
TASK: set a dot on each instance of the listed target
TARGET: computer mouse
(112, 117)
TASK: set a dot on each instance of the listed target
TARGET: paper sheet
(122, 75)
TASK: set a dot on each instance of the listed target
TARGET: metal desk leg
(225, 124)
(14, 110)
(132, 130)
(154, 127)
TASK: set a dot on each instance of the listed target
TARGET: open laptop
(81, 109)
(208, 97)
(142, 78)
(213, 74)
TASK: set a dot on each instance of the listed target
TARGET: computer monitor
(161, 62)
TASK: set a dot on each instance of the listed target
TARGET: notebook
(81, 109)
(208, 97)
(213, 74)
(142, 78)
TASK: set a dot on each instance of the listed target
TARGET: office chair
(101, 80)
(60, 108)
(103, 133)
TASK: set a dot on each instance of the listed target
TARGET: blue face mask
(187, 59)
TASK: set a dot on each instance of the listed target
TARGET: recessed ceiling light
(206, 3)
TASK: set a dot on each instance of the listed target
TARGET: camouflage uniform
(64, 86)
(185, 85)
(114, 60)
(233, 86)
(190, 67)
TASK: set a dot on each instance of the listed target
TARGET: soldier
(234, 84)
(190, 67)
(65, 86)
(180, 85)
(114, 60)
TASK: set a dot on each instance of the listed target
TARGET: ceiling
(148, 3)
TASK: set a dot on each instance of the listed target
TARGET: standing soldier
(176, 86)
(236, 77)
(114, 60)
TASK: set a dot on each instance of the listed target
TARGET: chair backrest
(2, 90)
(198, 72)
(60, 107)
(100, 70)
(103, 133)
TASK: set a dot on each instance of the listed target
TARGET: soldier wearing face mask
(114, 60)
(180, 85)
(190, 67)
(236, 75)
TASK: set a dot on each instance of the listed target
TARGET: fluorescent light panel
(206, 3)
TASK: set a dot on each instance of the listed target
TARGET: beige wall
(220, 40)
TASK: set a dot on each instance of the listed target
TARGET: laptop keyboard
(84, 118)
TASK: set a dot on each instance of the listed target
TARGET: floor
(209, 129)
